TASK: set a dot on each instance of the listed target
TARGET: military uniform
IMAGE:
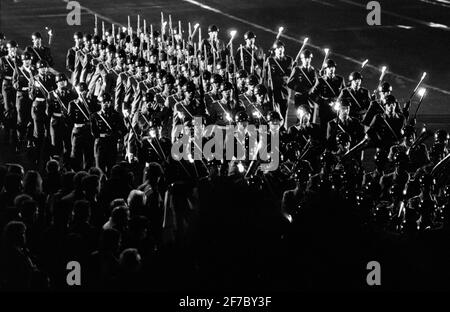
(351, 126)
(7, 65)
(281, 69)
(40, 53)
(302, 82)
(22, 80)
(82, 140)
(107, 128)
(359, 101)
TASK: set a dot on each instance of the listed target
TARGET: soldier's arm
(293, 82)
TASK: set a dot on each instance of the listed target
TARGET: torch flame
(364, 63)
(422, 92)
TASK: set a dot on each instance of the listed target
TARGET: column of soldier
(128, 89)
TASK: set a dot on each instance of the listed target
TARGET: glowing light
(240, 167)
(196, 26)
(423, 76)
(228, 117)
(191, 160)
(280, 30)
(305, 40)
(364, 63)
(383, 69)
(326, 50)
(422, 92)
(257, 114)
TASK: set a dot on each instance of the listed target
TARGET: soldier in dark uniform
(22, 81)
(213, 95)
(344, 123)
(80, 111)
(155, 146)
(248, 97)
(60, 125)
(248, 53)
(107, 128)
(73, 60)
(417, 152)
(131, 88)
(241, 77)
(39, 51)
(327, 90)
(376, 106)
(358, 96)
(212, 44)
(385, 128)
(281, 68)
(258, 110)
(299, 132)
(8, 63)
(302, 81)
(189, 108)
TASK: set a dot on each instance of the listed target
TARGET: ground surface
(413, 38)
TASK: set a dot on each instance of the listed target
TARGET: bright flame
(300, 112)
(383, 69)
(191, 160)
(280, 30)
(196, 25)
(326, 50)
(240, 167)
(228, 117)
(233, 33)
(422, 92)
(424, 75)
(364, 63)
(305, 40)
(257, 114)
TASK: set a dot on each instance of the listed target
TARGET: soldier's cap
(140, 62)
(168, 79)
(87, 37)
(96, 39)
(121, 35)
(27, 56)
(273, 116)
(111, 48)
(390, 99)
(12, 43)
(121, 53)
(82, 86)
(36, 34)
(242, 73)
(355, 76)
(206, 75)
(307, 54)
(216, 78)
(261, 89)
(385, 87)
(154, 123)
(278, 44)
(60, 77)
(345, 102)
(213, 28)
(241, 116)
(189, 87)
(149, 96)
(330, 63)
(78, 35)
(103, 44)
(226, 86)
(105, 98)
(161, 73)
(41, 64)
(152, 68)
(252, 80)
(221, 65)
(249, 35)
(181, 80)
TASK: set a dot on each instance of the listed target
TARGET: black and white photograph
(220, 154)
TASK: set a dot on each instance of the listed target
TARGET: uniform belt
(79, 125)
(39, 99)
(57, 115)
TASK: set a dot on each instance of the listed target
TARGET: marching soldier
(8, 64)
(80, 111)
(258, 110)
(385, 128)
(221, 112)
(301, 131)
(214, 95)
(248, 97)
(358, 96)
(38, 51)
(376, 106)
(302, 81)
(241, 77)
(327, 90)
(214, 47)
(107, 128)
(344, 123)
(251, 58)
(73, 58)
(155, 146)
(60, 126)
(22, 79)
(281, 68)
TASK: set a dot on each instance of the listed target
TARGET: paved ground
(413, 37)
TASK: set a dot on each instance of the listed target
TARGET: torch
(418, 85)
(327, 51)
(50, 35)
(421, 93)
(305, 41)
